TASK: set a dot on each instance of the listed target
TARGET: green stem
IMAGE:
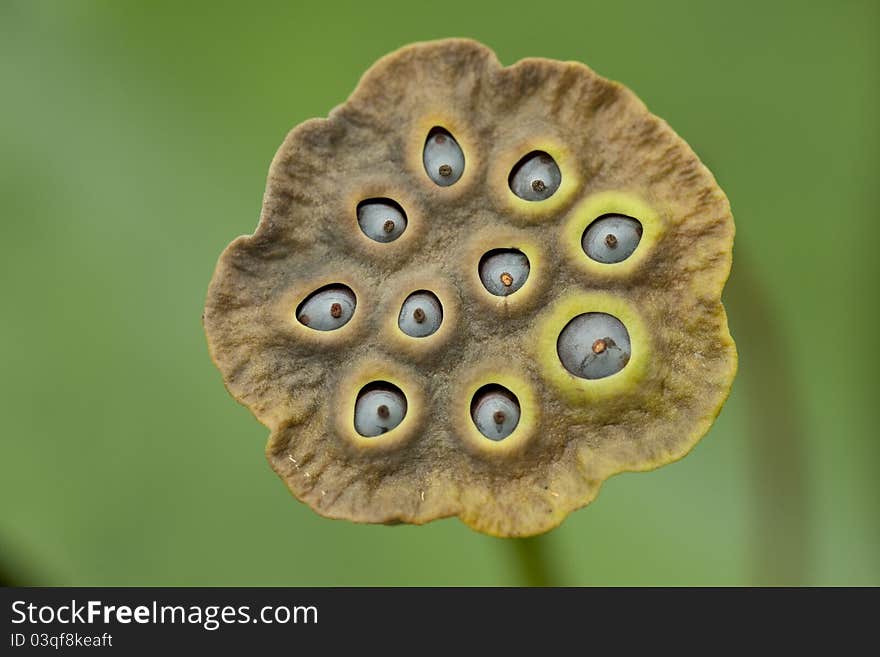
(533, 558)
(775, 441)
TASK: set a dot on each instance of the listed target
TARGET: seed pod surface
(599, 354)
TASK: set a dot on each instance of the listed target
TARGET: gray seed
(594, 345)
(420, 315)
(443, 158)
(380, 220)
(535, 177)
(379, 410)
(612, 238)
(496, 412)
(327, 309)
(503, 272)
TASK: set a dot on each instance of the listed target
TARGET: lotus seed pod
(381, 220)
(613, 355)
(420, 315)
(612, 239)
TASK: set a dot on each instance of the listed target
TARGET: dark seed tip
(383, 412)
(419, 315)
(336, 310)
(506, 279)
(445, 170)
(538, 185)
(599, 346)
(388, 226)
(611, 241)
(499, 417)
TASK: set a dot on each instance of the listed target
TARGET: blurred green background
(135, 140)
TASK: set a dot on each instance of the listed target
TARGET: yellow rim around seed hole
(434, 281)
(503, 238)
(350, 387)
(605, 203)
(531, 212)
(584, 391)
(457, 126)
(529, 411)
(284, 312)
(379, 189)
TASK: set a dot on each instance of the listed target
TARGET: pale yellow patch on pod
(516, 382)
(531, 212)
(601, 204)
(371, 372)
(585, 391)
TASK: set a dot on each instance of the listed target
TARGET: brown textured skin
(297, 381)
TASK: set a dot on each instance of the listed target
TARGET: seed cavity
(535, 177)
(328, 308)
(442, 157)
(504, 271)
(495, 411)
(421, 314)
(381, 219)
(380, 406)
(594, 345)
(612, 238)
